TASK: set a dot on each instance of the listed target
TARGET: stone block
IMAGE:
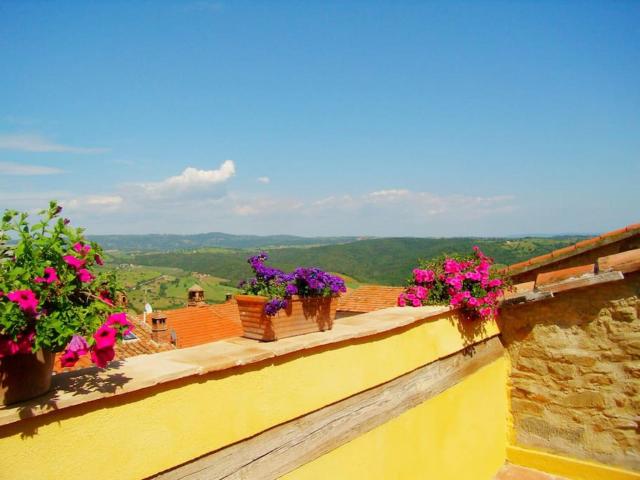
(532, 365)
(587, 399)
(521, 406)
(597, 379)
(625, 314)
(562, 371)
(576, 357)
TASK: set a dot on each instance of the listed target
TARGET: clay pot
(303, 315)
(24, 376)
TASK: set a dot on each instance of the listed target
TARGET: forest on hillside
(384, 261)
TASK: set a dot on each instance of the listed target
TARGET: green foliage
(60, 308)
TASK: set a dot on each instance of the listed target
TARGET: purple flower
(291, 290)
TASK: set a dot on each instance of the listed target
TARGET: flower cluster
(50, 296)
(465, 282)
(279, 286)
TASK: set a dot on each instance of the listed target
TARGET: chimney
(195, 296)
(159, 328)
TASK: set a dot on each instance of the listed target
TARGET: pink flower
(68, 359)
(452, 266)
(105, 337)
(8, 346)
(78, 345)
(455, 282)
(473, 276)
(496, 282)
(423, 276)
(121, 320)
(104, 296)
(85, 276)
(74, 262)
(25, 299)
(82, 249)
(102, 356)
(401, 300)
(98, 259)
(473, 302)
(25, 341)
(50, 276)
(485, 312)
(421, 292)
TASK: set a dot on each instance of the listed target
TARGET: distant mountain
(158, 242)
(382, 260)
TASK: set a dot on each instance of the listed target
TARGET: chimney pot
(159, 330)
(195, 296)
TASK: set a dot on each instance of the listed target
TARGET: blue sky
(332, 118)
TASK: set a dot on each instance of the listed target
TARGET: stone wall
(575, 373)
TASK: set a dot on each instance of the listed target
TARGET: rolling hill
(385, 260)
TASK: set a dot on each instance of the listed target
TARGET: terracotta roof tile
(624, 262)
(564, 274)
(203, 324)
(368, 298)
(580, 247)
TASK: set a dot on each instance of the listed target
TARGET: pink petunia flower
(25, 341)
(8, 346)
(78, 345)
(26, 300)
(102, 356)
(50, 276)
(105, 337)
(82, 249)
(119, 319)
(69, 359)
(76, 263)
(85, 276)
(401, 300)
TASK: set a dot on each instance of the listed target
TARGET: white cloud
(387, 195)
(94, 203)
(37, 143)
(10, 168)
(264, 180)
(191, 179)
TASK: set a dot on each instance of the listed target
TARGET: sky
(323, 118)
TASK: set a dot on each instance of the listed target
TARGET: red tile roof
(368, 298)
(203, 324)
(605, 269)
(571, 250)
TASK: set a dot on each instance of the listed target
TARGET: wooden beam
(282, 449)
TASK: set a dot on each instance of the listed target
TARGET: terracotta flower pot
(24, 376)
(303, 315)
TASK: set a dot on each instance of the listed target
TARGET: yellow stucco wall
(139, 434)
(458, 435)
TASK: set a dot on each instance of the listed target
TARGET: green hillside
(386, 261)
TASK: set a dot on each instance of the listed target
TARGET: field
(164, 287)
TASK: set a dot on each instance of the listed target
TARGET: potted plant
(466, 282)
(276, 304)
(51, 300)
